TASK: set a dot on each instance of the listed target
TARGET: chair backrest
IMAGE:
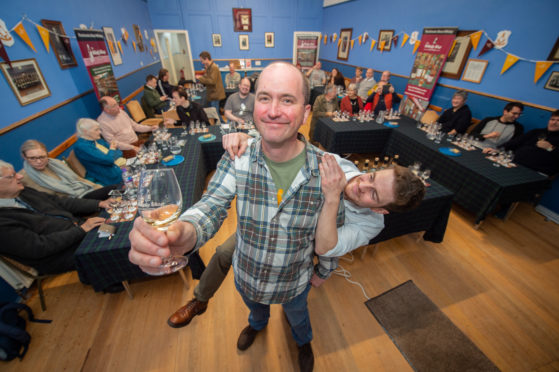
(171, 114)
(429, 117)
(75, 164)
(149, 112)
(211, 113)
(474, 124)
(136, 111)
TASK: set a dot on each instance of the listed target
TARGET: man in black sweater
(538, 149)
(42, 230)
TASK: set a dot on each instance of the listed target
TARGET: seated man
(397, 189)
(152, 102)
(164, 88)
(496, 131)
(383, 99)
(366, 84)
(317, 76)
(324, 106)
(458, 118)
(187, 110)
(42, 230)
(537, 149)
(117, 126)
(351, 103)
(240, 106)
(232, 78)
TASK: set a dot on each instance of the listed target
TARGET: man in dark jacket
(42, 230)
(496, 131)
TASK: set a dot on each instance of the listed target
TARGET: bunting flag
(134, 45)
(360, 38)
(152, 42)
(486, 47)
(112, 47)
(475, 37)
(511, 60)
(334, 37)
(417, 43)
(365, 37)
(20, 30)
(352, 42)
(541, 68)
(451, 48)
(124, 35)
(373, 42)
(4, 54)
(381, 45)
(395, 40)
(45, 36)
(331, 38)
(404, 39)
(119, 47)
(325, 39)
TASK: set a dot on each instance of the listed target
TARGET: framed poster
(60, 43)
(139, 39)
(456, 60)
(216, 40)
(554, 54)
(306, 48)
(26, 80)
(113, 46)
(475, 68)
(553, 81)
(243, 42)
(386, 36)
(269, 39)
(343, 45)
(242, 20)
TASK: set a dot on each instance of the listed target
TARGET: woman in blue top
(102, 161)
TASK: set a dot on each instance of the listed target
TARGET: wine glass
(159, 204)
(425, 176)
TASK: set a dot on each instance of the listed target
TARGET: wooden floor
(498, 284)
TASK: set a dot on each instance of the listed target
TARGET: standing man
(279, 198)
(317, 76)
(233, 78)
(212, 80)
(366, 84)
(117, 126)
(496, 131)
(240, 106)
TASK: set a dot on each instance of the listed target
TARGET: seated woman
(187, 110)
(54, 176)
(337, 78)
(102, 161)
(351, 103)
(382, 98)
(458, 118)
(163, 86)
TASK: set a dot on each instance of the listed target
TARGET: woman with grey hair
(458, 118)
(102, 161)
(53, 176)
(351, 103)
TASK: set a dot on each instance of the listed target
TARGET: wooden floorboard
(497, 284)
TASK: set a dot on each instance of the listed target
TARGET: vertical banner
(306, 46)
(97, 62)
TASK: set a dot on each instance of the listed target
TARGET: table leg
(510, 211)
(126, 286)
(478, 225)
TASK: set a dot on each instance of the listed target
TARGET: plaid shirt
(273, 260)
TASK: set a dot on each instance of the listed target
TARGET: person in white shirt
(366, 84)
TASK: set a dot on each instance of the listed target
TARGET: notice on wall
(97, 61)
(429, 61)
(306, 47)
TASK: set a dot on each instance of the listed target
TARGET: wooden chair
(137, 113)
(429, 117)
(212, 114)
(31, 273)
(474, 124)
(74, 164)
(171, 114)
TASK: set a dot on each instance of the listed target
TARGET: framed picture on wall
(554, 55)
(475, 68)
(113, 46)
(139, 39)
(242, 20)
(386, 36)
(243, 42)
(216, 40)
(269, 39)
(344, 43)
(456, 60)
(60, 43)
(26, 80)
(553, 81)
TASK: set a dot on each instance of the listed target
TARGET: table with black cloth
(478, 185)
(102, 262)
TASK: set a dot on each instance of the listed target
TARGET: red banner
(97, 61)
(429, 61)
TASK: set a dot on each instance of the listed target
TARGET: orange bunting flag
(45, 36)
(112, 47)
(511, 60)
(360, 39)
(119, 46)
(325, 39)
(417, 43)
(382, 45)
(352, 42)
(475, 37)
(20, 30)
(541, 68)
(373, 42)
(134, 45)
(334, 37)
(451, 48)
(404, 39)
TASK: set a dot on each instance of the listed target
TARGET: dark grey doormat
(423, 334)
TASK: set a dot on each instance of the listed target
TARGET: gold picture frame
(60, 43)
(475, 68)
(26, 80)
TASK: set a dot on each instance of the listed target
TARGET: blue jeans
(297, 313)
(214, 104)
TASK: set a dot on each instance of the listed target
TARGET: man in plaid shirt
(279, 199)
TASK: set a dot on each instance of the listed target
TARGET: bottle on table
(366, 166)
(376, 164)
(357, 164)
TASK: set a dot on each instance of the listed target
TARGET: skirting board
(548, 213)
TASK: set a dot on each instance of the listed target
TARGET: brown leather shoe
(246, 338)
(184, 315)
